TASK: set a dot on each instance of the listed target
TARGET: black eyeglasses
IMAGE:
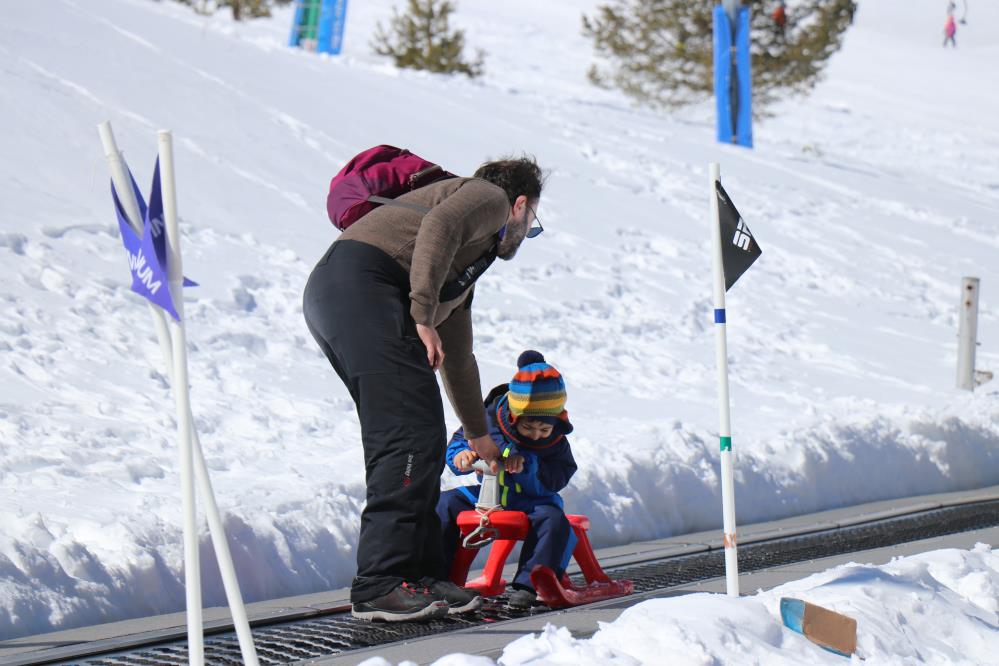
(536, 227)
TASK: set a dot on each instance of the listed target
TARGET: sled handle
(482, 466)
(480, 537)
(489, 497)
(484, 534)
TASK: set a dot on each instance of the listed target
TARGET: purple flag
(147, 256)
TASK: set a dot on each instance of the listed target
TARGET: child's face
(534, 430)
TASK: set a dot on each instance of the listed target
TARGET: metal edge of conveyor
(85, 649)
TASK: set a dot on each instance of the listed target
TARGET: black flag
(739, 248)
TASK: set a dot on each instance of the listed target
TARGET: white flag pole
(182, 399)
(123, 185)
(725, 426)
(224, 557)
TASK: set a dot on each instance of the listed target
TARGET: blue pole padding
(743, 60)
(720, 315)
(296, 25)
(332, 18)
(723, 73)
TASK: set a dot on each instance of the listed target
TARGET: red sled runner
(560, 594)
(503, 529)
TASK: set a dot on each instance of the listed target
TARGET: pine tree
(251, 8)
(241, 9)
(660, 52)
(199, 6)
(422, 39)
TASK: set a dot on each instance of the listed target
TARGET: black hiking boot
(404, 603)
(459, 599)
(522, 598)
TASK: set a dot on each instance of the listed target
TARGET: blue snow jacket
(548, 463)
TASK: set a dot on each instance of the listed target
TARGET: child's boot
(521, 598)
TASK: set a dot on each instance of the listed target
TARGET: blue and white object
(156, 223)
(332, 19)
(318, 25)
(828, 629)
(733, 251)
(733, 77)
(147, 256)
(724, 415)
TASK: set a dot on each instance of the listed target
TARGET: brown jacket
(465, 216)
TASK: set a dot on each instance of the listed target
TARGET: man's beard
(510, 243)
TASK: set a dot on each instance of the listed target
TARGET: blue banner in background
(723, 76)
(147, 256)
(332, 19)
(733, 78)
(743, 60)
(296, 30)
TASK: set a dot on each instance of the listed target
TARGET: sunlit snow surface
(934, 608)
(871, 199)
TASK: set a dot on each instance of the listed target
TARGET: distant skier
(779, 17)
(528, 421)
(950, 31)
(376, 306)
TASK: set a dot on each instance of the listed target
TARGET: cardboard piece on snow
(833, 631)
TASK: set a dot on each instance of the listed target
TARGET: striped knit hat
(537, 390)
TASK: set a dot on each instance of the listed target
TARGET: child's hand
(464, 459)
(514, 464)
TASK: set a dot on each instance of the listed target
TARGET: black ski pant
(357, 308)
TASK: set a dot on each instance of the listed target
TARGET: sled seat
(511, 527)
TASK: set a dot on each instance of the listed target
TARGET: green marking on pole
(726, 443)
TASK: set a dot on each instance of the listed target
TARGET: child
(528, 422)
(950, 29)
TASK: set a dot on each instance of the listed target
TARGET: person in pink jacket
(950, 29)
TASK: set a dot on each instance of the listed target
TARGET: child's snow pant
(356, 306)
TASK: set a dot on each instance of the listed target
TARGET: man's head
(522, 180)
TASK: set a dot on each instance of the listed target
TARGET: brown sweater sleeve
(460, 372)
(443, 230)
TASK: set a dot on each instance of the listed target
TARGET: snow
(871, 199)
(937, 607)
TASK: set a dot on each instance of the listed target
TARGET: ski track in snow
(842, 337)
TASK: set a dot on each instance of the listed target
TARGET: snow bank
(938, 607)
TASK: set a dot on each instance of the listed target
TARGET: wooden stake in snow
(967, 335)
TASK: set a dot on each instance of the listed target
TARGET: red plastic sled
(509, 527)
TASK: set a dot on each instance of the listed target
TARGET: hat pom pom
(528, 357)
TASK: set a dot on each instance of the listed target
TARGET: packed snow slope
(871, 199)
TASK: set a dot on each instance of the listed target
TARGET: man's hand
(463, 460)
(432, 341)
(514, 464)
(486, 449)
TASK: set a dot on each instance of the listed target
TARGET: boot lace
(415, 589)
